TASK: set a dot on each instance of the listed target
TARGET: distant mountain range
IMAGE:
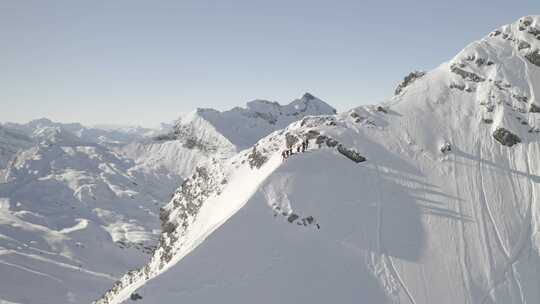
(79, 205)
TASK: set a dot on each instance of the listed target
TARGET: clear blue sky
(143, 62)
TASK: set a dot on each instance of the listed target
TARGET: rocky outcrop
(533, 108)
(413, 76)
(465, 74)
(505, 137)
(382, 109)
(292, 217)
(256, 159)
(522, 45)
(446, 148)
(188, 136)
(351, 154)
(460, 87)
(333, 143)
(291, 140)
(534, 57)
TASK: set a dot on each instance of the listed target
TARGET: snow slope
(442, 209)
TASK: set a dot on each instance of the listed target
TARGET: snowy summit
(427, 198)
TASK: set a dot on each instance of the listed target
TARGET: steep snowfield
(442, 209)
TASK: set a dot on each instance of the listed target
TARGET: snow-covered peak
(499, 73)
(11, 141)
(240, 128)
(311, 105)
(429, 198)
(54, 135)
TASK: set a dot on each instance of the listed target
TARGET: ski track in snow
(31, 271)
(521, 245)
(390, 263)
(60, 264)
(485, 206)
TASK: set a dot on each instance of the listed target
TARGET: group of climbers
(300, 148)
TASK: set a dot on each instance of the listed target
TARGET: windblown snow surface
(79, 206)
(442, 209)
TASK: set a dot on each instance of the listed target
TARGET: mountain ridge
(442, 207)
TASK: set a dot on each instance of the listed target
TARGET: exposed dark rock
(523, 45)
(165, 137)
(351, 154)
(534, 57)
(331, 123)
(271, 119)
(533, 31)
(446, 147)
(506, 137)
(321, 139)
(465, 74)
(520, 98)
(495, 33)
(533, 108)
(312, 134)
(408, 80)
(480, 61)
(308, 96)
(525, 21)
(163, 214)
(382, 109)
(330, 142)
(135, 296)
(187, 135)
(256, 159)
(291, 140)
(460, 87)
(292, 217)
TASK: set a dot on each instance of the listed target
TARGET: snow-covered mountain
(429, 198)
(106, 135)
(11, 141)
(79, 206)
(73, 214)
(207, 134)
